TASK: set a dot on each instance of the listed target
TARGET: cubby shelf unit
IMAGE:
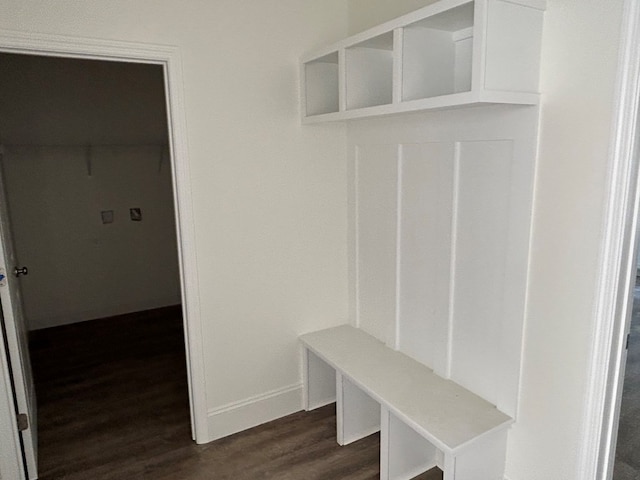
(453, 53)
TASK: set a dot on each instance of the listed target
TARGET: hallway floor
(627, 466)
(112, 404)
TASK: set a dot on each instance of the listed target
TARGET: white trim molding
(617, 264)
(11, 460)
(169, 58)
(253, 411)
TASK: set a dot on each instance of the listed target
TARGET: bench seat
(465, 432)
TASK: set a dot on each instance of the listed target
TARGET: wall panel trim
(605, 372)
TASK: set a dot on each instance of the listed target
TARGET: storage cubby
(403, 452)
(452, 53)
(437, 54)
(322, 391)
(322, 85)
(358, 415)
(369, 66)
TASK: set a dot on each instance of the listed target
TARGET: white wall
(269, 195)
(365, 14)
(10, 455)
(79, 268)
(580, 43)
(578, 73)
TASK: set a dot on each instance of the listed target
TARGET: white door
(16, 331)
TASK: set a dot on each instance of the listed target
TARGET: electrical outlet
(135, 214)
(107, 216)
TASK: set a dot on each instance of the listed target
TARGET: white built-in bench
(425, 420)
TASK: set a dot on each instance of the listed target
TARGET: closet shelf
(451, 54)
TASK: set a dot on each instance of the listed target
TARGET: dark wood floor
(112, 403)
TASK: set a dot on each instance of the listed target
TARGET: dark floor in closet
(112, 404)
(627, 466)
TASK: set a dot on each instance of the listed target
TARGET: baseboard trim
(251, 412)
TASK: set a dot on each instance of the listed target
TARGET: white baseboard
(251, 412)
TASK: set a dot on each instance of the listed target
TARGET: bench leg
(319, 381)
(484, 459)
(404, 454)
(357, 414)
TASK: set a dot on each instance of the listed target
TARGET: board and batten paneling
(442, 209)
(377, 177)
(482, 218)
(426, 207)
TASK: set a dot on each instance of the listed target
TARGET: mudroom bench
(424, 420)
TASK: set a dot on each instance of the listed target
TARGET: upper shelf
(449, 54)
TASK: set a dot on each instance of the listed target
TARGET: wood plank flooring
(112, 404)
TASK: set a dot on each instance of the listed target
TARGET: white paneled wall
(377, 218)
(427, 172)
(482, 199)
(441, 207)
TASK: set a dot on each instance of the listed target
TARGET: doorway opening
(169, 159)
(88, 181)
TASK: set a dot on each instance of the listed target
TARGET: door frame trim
(169, 58)
(617, 264)
(12, 464)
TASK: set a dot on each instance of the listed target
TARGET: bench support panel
(319, 381)
(358, 415)
(404, 454)
(484, 459)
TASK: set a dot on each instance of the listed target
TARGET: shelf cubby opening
(369, 67)
(437, 54)
(322, 85)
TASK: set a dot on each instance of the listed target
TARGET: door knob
(21, 271)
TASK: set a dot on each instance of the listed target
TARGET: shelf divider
(398, 54)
